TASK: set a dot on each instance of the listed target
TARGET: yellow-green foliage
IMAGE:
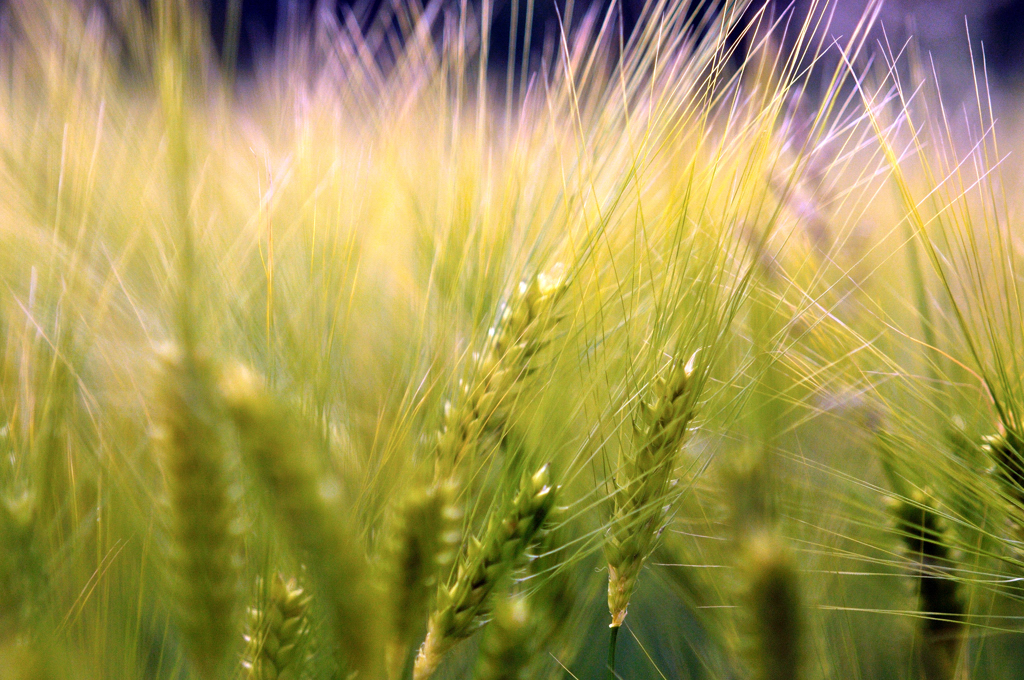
(608, 273)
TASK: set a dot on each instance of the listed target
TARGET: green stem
(611, 652)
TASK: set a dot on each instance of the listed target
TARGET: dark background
(937, 25)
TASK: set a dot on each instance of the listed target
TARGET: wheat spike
(19, 567)
(1007, 453)
(510, 643)
(275, 643)
(642, 481)
(310, 509)
(423, 542)
(203, 519)
(483, 400)
(485, 562)
(773, 606)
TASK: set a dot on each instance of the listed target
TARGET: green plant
(774, 388)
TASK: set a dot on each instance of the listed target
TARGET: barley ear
(642, 481)
(484, 399)
(773, 607)
(312, 515)
(278, 632)
(202, 512)
(939, 599)
(485, 562)
(422, 542)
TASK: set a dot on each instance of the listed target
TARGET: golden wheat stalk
(642, 481)
(482, 566)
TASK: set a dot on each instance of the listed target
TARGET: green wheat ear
(422, 541)
(310, 509)
(483, 400)
(927, 542)
(461, 607)
(278, 632)
(642, 481)
(773, 608)
(202, 512)
(532, 621)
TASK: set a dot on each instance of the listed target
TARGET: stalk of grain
(461, 607)
(278, 630)
(423, 540)
(942, 629)
(201, 508)
(528, 622)
(311, 513)
(483, 400)
(553, 602)
(642, 481)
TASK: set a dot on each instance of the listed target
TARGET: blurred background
(940, 27)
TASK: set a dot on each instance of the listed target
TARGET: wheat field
(688, 352)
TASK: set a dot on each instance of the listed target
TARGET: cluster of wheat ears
(694, 351)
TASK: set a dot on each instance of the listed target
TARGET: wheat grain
(772, 600)
(510, 643)
(942, 629)
(423, 540)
